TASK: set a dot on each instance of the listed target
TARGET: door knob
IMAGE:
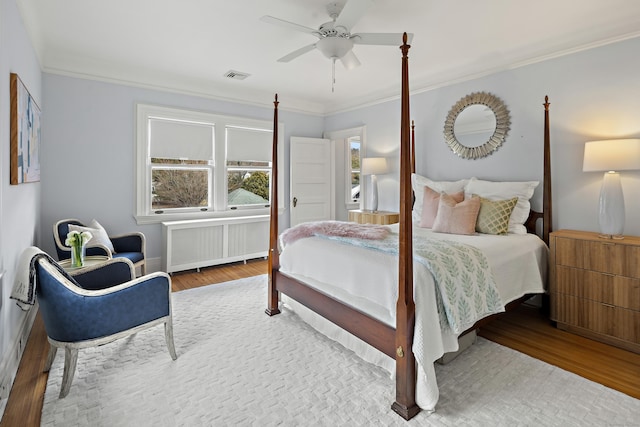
(295, 201)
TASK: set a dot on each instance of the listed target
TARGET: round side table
(89, 261)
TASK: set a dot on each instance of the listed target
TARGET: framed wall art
(25, 134)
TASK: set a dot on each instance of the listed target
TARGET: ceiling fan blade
(286, 24)
(350, 60)
(351, 13)
(298, 52)
(391, 39)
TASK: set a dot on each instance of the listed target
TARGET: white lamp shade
(611, 155)
(374, 166)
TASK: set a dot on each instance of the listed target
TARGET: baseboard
(11, 359)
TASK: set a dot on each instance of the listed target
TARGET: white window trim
(341, 136)
(143, 212)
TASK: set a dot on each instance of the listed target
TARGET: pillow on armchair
(98, 233)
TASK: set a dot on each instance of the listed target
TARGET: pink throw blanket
(333, 228)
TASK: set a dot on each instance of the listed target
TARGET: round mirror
(476, 125)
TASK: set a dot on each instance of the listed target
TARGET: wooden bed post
(413, 147)
(274, 261)
(413, 157)
(405, 403)
(546, 202)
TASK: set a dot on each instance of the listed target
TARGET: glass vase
(77, 256)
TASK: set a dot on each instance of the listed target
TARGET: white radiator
(204, 242)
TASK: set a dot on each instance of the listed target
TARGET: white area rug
(237, 366)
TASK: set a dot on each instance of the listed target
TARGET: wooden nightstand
(373, 217)
(595, 286)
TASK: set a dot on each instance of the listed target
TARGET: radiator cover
(205, 242)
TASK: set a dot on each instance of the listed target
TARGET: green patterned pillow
(494, 215)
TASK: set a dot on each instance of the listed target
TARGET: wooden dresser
(374, 217)
(595, 286)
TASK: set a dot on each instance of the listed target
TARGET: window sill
(235, 213)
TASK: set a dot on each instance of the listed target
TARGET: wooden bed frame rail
(394, 342)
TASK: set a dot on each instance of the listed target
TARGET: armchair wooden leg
(168, 335)
(50, 358)
(70, 360)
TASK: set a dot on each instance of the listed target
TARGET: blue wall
(594, 94)
(92, 124)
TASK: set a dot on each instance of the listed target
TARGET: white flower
(76, 238)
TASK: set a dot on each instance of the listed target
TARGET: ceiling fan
(335, 39)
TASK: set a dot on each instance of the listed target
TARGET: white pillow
(496, 190)
(419, 182)
(98, 233)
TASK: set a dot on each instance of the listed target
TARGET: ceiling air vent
(236, 75)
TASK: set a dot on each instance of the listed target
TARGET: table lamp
(611, 156)
(374, 166)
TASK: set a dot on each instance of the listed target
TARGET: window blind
(249, 144)
(180, 140)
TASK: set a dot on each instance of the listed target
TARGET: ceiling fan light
(334, 47)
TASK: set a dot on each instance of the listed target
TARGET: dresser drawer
(599, 318)
(605, 256)
(606, 288)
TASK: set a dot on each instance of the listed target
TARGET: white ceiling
(188, 45)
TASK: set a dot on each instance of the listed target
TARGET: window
(198, 165)
(181, 157)
(354, 145)
(248, 167)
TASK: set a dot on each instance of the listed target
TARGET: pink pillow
(430, 201)
(457, 218)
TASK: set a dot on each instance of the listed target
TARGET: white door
(311, 180)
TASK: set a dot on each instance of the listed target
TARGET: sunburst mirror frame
(503, 122)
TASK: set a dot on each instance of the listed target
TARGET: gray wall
(19, 204)
(88, 167)
(594, 94)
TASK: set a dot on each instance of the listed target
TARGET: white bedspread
(367, 279)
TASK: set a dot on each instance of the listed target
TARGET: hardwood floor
(525, 330)
(529, 332)
(217, 274)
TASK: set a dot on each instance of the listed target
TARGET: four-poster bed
(393, 337)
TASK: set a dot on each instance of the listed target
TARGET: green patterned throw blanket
(465, 288)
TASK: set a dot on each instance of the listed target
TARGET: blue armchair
(131, 245)
(98, 305)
